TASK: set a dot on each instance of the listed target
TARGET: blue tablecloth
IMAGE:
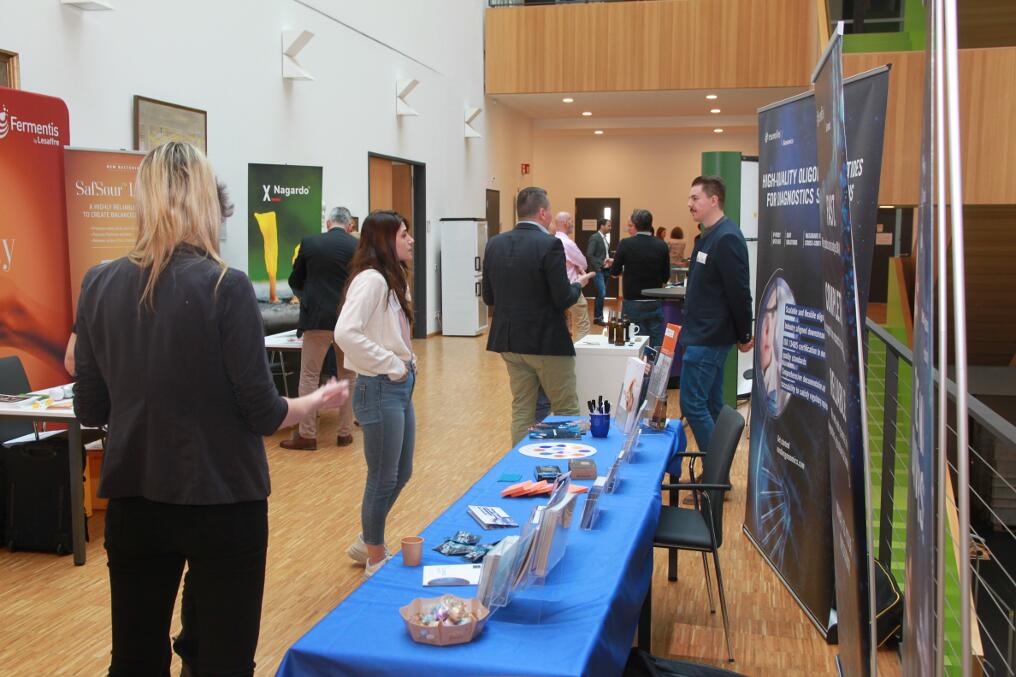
(581, 622)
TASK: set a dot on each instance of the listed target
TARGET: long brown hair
(377, 251)
(178, 202)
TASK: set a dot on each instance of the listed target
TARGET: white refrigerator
(463, 312)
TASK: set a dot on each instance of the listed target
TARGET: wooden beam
(639, 46)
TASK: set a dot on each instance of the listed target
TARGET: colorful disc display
(567, 450)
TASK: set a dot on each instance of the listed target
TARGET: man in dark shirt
(319, 276)
(645, 262)
(717, 307)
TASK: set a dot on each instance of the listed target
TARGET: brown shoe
(343, 440)
(298, 443)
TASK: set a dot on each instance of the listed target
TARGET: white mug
(633, 330)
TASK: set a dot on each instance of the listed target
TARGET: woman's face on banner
(768, 331)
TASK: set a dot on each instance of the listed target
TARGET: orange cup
(412, 551)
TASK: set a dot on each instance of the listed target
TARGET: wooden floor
(54, 617)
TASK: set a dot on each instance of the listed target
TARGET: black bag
(36, 494)
(642, 664)
(888, 610)
(888, 607)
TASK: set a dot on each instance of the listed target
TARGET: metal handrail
(978, 410)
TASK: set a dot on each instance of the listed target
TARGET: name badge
(701, 257)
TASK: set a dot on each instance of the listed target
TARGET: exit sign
(525, 167)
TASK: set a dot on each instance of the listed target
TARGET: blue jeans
(601, 293)
(385, 412)
(648, 315)
(702, 389)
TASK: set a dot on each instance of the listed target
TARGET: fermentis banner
(788, 508)
(284, 206)
(846, 420)
(35, 320)
(102, 219)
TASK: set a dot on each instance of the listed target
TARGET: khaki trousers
(526, 373)
(315, 346)
(578, 319)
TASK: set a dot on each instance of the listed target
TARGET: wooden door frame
(419, 236)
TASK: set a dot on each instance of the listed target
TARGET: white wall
(511, 145)
(648, 171)
(223, 56)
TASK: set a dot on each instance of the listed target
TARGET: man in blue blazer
(525, 282)
(717, 307)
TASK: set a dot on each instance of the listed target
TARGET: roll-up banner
(849, 474)
(102, 222)
(788, 513)
(284, 203)
(35, 313)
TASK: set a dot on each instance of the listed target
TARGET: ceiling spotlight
(714, 110)
(711, 97)
(586, 113)
(598, 131)
(568, 99)
(718, 130)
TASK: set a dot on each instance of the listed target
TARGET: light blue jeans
(702, 389)
(385, 412)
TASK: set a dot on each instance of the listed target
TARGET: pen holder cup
(599, 424)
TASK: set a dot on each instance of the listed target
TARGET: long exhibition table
(581, 622)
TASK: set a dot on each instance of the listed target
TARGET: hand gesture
(333, 394)
(584, 278)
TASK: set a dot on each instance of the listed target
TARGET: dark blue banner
(920, 601)
(847, 423)
(788, 508)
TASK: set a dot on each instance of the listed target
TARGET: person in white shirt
(563, 229)
(373, 331)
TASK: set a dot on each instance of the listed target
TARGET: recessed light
(714, 110)
(711, 97)
(587, 113)
(598, 131)
(568, 99)
(717, 131)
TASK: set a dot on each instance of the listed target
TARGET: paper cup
(412, 551)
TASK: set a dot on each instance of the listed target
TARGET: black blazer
(185, 390)
(717, 302)
(319, 276)
(524, 279)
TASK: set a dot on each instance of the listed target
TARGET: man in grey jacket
(596, 255)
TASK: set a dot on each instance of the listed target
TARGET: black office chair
(701, 528)
(13, 381)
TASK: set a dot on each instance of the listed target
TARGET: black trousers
(224, 547)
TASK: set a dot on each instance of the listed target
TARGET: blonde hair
(178, 202)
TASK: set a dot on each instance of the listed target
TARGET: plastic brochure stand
(591, 510)
(519, 562)
(627, 454)
(613, 478)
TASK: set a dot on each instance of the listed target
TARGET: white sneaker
(370, 569)
(358, 551)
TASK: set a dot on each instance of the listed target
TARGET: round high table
(673, 313)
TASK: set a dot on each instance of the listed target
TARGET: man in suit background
(717, 307)
(525, 282)
(645, 262)
(596, 254)
(319, 276)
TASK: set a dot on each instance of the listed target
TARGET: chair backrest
(717, 462)
(13, 381)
